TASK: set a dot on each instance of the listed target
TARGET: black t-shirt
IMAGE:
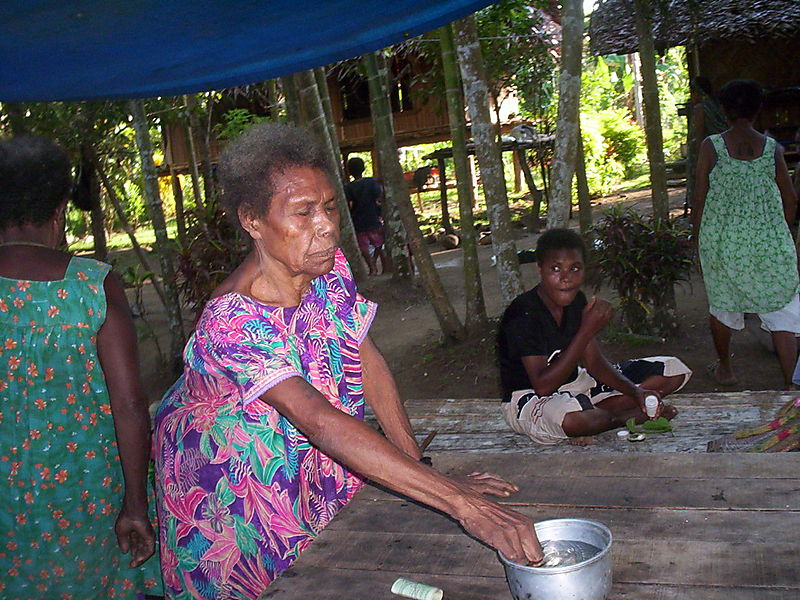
(362, 197)
(529, 329)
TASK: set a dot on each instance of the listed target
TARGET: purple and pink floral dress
(241, 491)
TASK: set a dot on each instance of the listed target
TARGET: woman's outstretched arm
(365, 451)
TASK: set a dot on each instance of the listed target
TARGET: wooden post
(448, 226)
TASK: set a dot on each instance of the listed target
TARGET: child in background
(556, 382)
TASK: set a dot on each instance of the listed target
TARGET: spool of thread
(651, 405)
(415, 590)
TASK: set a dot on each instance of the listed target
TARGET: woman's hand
(486, 483)
(135, 535)
(506, 530)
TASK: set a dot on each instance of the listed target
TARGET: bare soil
(407, 332)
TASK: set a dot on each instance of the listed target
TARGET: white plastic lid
(622, 433)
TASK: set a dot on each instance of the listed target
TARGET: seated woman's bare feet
(583, 440)
(668, 411)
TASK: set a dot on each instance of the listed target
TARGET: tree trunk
(394, 232)
(180, 217)
(643, 17)
(272, 99)
(192, 156)
(163, 244)
(475, 313)
(569, 92)
(91, 187)
(535, 192)
(633, 61)
(312, 104)
(200, 137)
(137, 249)
(446, 224)
(386, 145)
(584, 201)
(473, 77)
(291, 99)
(15, 111)
(325, 97)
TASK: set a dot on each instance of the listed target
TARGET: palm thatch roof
(683, 22)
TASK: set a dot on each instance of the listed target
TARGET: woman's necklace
(24, 243)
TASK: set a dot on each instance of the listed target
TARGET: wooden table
(685, 526)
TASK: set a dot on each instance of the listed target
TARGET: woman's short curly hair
(741, 99)
(35, 179)
(249, 164)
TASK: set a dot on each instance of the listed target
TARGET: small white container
(651, 405)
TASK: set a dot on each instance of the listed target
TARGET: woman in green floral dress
(744, 203)
(74, 428)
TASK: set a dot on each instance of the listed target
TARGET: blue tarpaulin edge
(109, 50)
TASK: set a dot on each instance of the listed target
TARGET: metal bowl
(587, 580)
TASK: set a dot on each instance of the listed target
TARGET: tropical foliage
(642, 259)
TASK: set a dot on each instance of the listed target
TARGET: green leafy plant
(135, 277)
(214, 248)
(642, 259)
(235, 122)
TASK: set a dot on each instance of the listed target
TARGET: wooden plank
(765, 564)
(639, 492)
(625, 523)
(476, 424)
(688, 466)
(321, 583)
(302, 583)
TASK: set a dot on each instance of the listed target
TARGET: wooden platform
(685, 527)
(476, 425)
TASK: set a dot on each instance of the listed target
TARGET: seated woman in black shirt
(556, 382)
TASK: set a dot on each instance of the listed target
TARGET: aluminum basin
(587, 580)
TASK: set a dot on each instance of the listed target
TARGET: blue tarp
(115, 49)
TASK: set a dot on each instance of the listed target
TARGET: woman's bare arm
(364, 450)
(705, 162)
(784, 181)
(116, 347)
(380, 392)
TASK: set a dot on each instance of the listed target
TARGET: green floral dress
(60, 475)
(746, 250)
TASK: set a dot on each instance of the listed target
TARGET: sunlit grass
(119, 240)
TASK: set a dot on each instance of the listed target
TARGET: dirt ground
(407, 332)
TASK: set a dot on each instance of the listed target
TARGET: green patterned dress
(746, 250)
(60, 475)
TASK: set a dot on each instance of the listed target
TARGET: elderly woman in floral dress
(262, 440)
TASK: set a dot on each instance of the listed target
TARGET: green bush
(235, 122)
(624, 140)
(642, 259)
(214, 248)
(77, 222)
(613, 148)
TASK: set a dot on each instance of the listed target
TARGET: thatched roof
(681, 22)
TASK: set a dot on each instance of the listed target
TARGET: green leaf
(659, 425)
(205, 445)
(245, 536)
(631, 425)
(224, 492)
(185, 559)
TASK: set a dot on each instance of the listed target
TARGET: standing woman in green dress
(74, 427)
(744, 203)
